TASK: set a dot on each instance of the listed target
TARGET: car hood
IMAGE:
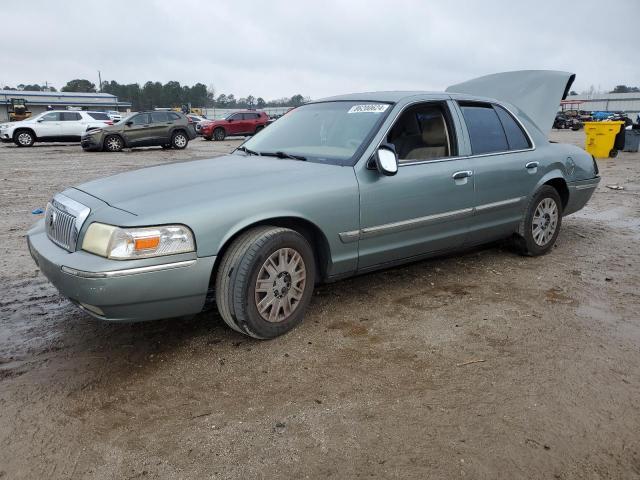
(176, 186)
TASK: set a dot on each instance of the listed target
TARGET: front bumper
(89, 142)
(5, 137)
(133, 290)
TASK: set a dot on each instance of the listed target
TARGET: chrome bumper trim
(502, 203)
(586, 187)
(126, 271)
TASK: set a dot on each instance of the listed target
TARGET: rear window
(516, 137)
(99, 116)
(485, 130)
(173, 116)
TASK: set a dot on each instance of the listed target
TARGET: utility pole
(99, 82)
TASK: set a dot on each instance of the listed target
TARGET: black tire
(24, 138)
(179, 140)
(219, 134)
(238, 273)
(525, 240)
(113, 143)
(613, 153)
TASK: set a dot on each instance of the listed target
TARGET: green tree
(260, 103)
(79, 85)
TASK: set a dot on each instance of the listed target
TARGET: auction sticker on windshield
(370, 108)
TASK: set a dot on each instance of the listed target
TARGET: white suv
(54, 126)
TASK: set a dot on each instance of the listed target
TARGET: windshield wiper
(283, 155)
(247, 151)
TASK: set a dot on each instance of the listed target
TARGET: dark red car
(246, 122)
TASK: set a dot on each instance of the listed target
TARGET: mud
(479, 365)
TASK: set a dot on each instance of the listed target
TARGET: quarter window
(421, 133)
(99, 116)
(173, 116)
(485, 130)
(516, 138)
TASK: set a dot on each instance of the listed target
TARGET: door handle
(532, 165)
(462, 174)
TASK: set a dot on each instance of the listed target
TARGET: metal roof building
(610, 102)
(37, 102)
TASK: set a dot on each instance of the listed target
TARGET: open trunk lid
(536, 92)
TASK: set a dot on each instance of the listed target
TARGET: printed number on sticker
(371, 108)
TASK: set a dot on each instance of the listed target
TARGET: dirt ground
(480, 365)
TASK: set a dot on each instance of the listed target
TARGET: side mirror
(39, 120)
(129, 123)
(386, 161)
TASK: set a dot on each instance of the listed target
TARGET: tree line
(171, 94)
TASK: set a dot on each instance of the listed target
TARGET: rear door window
(485, 129)
(516, 138)
(159, 117)
(70, 116)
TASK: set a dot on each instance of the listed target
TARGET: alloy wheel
(545, 221)
(179, 140)
(24, 139)
(114, 144)
(280, 285)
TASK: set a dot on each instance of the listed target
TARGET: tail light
(109, 122)
(190, 119)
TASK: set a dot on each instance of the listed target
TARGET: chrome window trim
(127, 271)
(460, 157)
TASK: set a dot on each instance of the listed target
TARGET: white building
(38, 102)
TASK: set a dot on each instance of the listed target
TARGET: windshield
(330, 132)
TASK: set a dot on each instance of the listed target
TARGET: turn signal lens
(149, 243)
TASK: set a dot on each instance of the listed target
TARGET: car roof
(388, 96)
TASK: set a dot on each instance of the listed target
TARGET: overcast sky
(278, 48)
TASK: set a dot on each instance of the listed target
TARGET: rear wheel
(613, 153)
(179, 140)
(219, 134)
(113, 143)
(265, 282)
(24, 138)
(541, 225)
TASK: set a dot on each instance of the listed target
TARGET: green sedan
(335, 188)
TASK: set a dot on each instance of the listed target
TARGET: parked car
(246, 122)
(563, 121)
(114, 115)
(337, 187)
(144, 129)
(197, 122)
(53, 126)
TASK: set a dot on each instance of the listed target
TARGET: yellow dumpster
(601, 137)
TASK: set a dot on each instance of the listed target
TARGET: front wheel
(219, 134)
(24, 138)
(613, 153)
(540, 227)
(113, 143)
(265, 282)
(179, 140)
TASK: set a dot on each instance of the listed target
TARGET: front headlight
(131, 243)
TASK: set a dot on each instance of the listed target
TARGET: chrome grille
(63, 219)
(60, 227)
